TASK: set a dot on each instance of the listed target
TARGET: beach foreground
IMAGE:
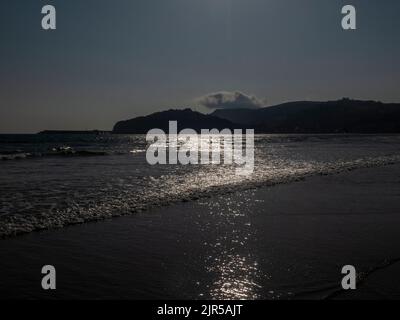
(287, 241)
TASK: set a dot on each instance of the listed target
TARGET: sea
(116, 227)
(51, 181)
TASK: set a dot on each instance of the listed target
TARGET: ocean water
(51, 181)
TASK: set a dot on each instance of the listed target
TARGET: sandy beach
(288, 241)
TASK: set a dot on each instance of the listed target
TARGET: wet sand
(282, 242)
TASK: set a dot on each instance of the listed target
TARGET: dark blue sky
(112, 60)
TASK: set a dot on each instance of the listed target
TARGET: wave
(16, 155)
(65, 152)
(173, 188)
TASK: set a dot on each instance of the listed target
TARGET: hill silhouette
(340, 116)
(186, 119)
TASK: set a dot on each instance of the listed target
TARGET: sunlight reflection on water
(231, 261)
(48, 192)
(236, 278)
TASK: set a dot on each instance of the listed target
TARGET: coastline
(286, 241)
(170, 192)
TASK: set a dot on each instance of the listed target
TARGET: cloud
(230, 100)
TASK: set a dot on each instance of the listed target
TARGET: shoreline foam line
(14, 225)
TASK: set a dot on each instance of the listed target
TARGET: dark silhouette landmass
(341, 116)
(185, 118)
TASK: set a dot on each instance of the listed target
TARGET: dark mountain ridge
(340, 116)
(187, 119)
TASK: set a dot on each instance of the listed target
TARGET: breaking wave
(171, 188)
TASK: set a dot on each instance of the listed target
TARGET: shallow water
(282, 242)
(45, 190)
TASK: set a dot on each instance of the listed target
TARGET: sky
(114, 60)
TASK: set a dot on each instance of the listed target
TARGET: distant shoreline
(73, 132)
(344, 116)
